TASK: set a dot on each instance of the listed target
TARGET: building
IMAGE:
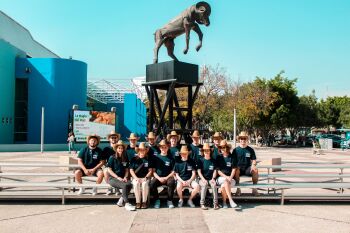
(33, 77)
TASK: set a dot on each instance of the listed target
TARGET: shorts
(245, 171)
(95, 174)
(220, 180)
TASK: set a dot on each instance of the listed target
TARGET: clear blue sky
(308, 39)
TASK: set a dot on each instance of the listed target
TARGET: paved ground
(105, 216)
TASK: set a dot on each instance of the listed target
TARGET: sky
(308, 39)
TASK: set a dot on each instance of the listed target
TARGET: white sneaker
(170, 204)
(81, 191)
(233, 204)
(181, 203)
(129, 207)
(224, 206)
(117, 192)
(94, 191)
(120, 202)
(109, 192)
(157, 204)
(190, 204)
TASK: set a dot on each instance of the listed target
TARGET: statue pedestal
(180, 72)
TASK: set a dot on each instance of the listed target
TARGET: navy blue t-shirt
(244, 156)
(130, 152)
(107, 152)
(175, 153)
(138, 162)
(225, 164)
(207, 167)
(117, 166)
(184, 168)
(90, 157)
(164, 165)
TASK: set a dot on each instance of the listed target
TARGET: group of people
(147, 166)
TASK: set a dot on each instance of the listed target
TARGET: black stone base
(180, 71)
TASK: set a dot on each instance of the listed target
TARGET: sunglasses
(243, 139)
(114, 137)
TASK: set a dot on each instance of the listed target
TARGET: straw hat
(113, 133)
(133, 136)
(206, 146)
(243, 134)
(98, 138)
(224, 143)
(119, 143)
(173, 134)
(217, 135)
(162, 143)
(142, 146)
(184, 150)
(151, 135)
(195, 134)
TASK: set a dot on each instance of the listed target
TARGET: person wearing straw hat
(131, 148)
(90, 162)
(246, 162)
(153, 147)
(118, 170)
(108, 151)
(141, 171)
(174, 149)
(207, 172)
(185, 173)
(216, 140)
(226, 171)
(195, 146)
(163, 175)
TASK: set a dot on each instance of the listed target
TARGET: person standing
(90, 162)
(174, 149)
(207, 172)
(118, 173)
(141, 171)
(216, 140)
(107, 152)
(245, 158)
(71, 142)
(131, 148)
(163, 175)
(195, 146)
(153, 148)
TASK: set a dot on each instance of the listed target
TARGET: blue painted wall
(55, 84)
(8, 54)
(135, 118)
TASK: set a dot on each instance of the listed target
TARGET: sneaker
(129, 207)
(255, 192)
(94, 191)
(181, 203)
(190, 204)
(120, 202)
(216, 207)
(233, 204)
(81, 191)
(117, 192)
(203, 207)
(170, 204)
(224, 205)
(238, 192)
(109, 192)
(157, 204)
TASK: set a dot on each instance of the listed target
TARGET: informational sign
(86, 123)
(326, 143)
